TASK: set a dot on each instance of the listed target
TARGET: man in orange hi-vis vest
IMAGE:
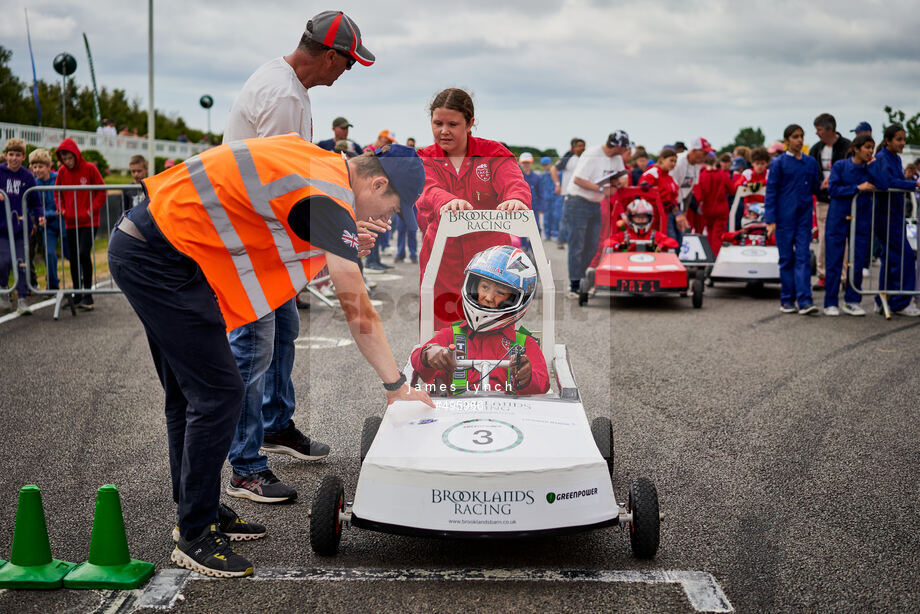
(222, 240)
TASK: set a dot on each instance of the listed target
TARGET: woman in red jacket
(81, 211)
(462, 172)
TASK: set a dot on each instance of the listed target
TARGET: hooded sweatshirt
(81, 208)
(15, 186)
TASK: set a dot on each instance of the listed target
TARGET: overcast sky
(541, 71)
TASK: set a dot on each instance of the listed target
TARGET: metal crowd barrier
(884, 210)
(116, 204)
(6, 292)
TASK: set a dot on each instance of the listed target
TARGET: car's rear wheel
(645, 527)
(697, 293)
(602, 430)
(583, 288)
(368, 433)
(325, 525)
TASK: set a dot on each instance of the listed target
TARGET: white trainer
(852, 309)
(910, 311)
(832, 311)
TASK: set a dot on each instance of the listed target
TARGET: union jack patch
(350, 239)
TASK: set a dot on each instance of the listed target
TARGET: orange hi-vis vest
(227, 209)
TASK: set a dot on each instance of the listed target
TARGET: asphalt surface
(784, 450)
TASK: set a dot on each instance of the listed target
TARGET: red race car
(639, 258)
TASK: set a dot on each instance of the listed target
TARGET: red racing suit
(621, 239)
(490, 345)
(488, 176)
(712, 195)
(655, 177)
(80, 209)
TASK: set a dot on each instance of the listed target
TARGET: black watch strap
(397, 384)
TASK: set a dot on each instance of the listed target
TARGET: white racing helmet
(637, 208)
(508, 266)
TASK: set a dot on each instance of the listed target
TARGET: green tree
(13, 107)
(17, 106)
(911, 124)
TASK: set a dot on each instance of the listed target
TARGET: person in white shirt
(590, 184)
(686, 174)
(274, 102)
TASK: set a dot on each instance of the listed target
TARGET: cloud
(541, 70)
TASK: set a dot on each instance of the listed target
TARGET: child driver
(498, 286)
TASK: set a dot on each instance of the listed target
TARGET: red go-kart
(639, 265)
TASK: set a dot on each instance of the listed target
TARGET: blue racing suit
(889, 231)
(791, 183)
(842, 185)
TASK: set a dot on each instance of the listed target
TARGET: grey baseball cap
(336, 30)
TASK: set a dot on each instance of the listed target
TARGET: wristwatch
(397, 384)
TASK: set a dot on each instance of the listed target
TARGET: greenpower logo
(550, 497)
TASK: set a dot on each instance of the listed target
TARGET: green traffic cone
(31, 565)
(110, 566)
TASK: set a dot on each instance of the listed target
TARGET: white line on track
(35, 307)
(700, 587)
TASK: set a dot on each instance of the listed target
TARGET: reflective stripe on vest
(460, 382)
(267, 267)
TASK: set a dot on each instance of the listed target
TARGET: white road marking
(47, 303)
(320, 343)
(35, 307)
(700, 587)
(374, 302)
(384, 277)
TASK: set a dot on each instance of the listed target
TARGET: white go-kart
(753, 262)
(487, 465)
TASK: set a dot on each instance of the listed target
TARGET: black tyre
(814, 264)
(368, 433)
(583, 288)
(697, 293)
(644, 530)
(602, 430)
(325, 526)
(755, 287)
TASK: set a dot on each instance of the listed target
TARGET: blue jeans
(584, 218)
(52, 232)
(264, 352)
(792, 240)
(563, 228)
(188, 342)
(406, 233)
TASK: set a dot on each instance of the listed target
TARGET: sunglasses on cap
(351, 60)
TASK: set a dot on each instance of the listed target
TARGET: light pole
(151, 123)
(207, 102)
(64, 65)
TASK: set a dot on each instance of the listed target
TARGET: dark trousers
(898, 273)
(836, 231)
(188, 341)
(584, 219)
(80, 245)
(7, 261)
(793, 236)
